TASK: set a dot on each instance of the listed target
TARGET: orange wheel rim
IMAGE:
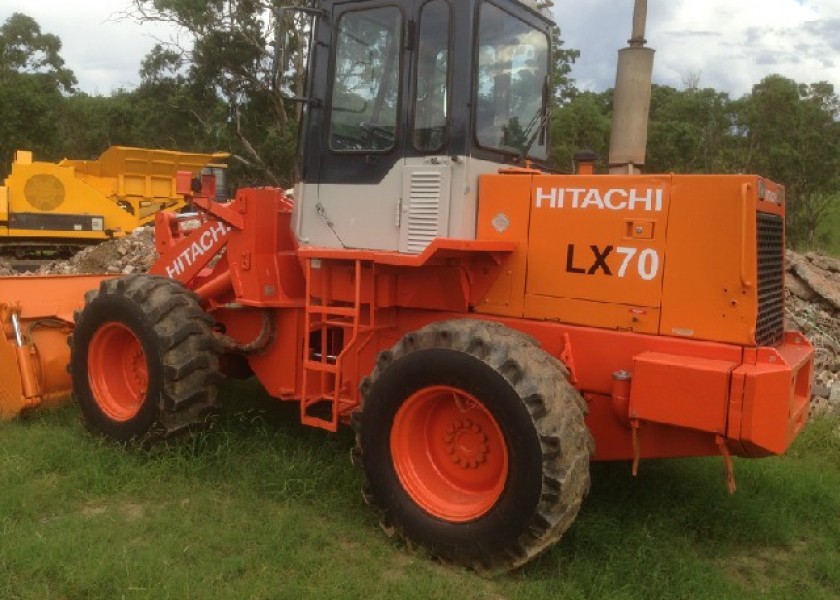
(117, 371)
(449, 453)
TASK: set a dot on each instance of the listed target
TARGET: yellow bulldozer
(59, 207)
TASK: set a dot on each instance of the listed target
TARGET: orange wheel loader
(486, 326)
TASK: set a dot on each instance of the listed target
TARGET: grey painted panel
(419, 199)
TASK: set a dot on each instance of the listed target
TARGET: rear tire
(473, 444)
(144, 360)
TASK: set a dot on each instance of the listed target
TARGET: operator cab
(408, 102)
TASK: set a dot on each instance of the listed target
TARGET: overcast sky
(727, 44)
(101, 48)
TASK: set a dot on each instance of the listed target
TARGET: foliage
(32, 80)
(688, 131)
(30, 108)
(234, 59)
(582, 123)
(24, 49)
(828, 232)
(792, 134)
(561, 68)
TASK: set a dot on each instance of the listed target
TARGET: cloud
(103, 48)
(690, 33)
(730, 45)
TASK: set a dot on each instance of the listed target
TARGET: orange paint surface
(654, 276)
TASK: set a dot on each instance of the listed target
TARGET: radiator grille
(424, 209)
(769, 328)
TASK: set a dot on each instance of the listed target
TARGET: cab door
(428, 170)
(363, 138)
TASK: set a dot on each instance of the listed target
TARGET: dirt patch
(127, 511)
(93, 510)
(132, 512)
(760, 568)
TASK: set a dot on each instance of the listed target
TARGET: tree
(820, 122)
(33, 79)
(561, 68)
(24, 49)
(790, 132)
(234, 53)
(689, 131)
(582, 122)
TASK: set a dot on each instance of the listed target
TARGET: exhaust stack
(631, 107)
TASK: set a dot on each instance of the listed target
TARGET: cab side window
(512, 70)
(366, 89)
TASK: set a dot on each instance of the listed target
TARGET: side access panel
(596, 251)
(713, 258)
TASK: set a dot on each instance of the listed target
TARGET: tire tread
(188, 349)
(556, 410)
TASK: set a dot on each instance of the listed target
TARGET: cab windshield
(511, 84)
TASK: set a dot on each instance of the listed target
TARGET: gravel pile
(813, 307)
(134, 253)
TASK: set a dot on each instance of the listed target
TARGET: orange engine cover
(668, 255)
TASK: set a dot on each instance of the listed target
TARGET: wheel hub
(466, 444)
(449, 453)
(117, 371)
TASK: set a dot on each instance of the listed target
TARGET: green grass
(265, 508)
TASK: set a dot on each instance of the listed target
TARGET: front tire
(473, 444)
(144, 360)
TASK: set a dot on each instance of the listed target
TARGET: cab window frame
(445, 140)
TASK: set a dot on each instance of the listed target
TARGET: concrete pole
(631, 107)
